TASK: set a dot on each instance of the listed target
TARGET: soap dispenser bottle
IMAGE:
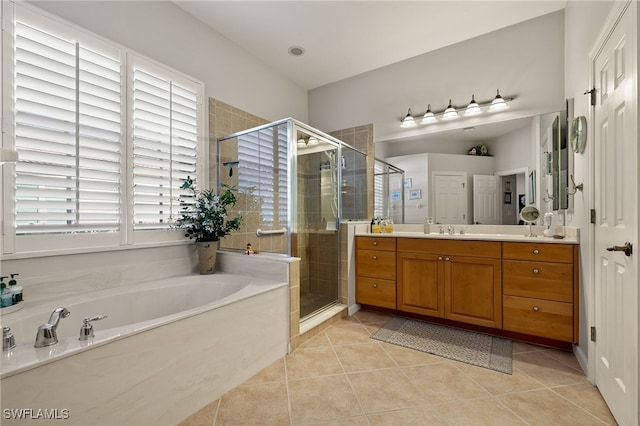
(15, 289)
(6, 298)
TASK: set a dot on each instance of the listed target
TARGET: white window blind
(165, 146)
(262, 155)
(379, 178)
(67, 131)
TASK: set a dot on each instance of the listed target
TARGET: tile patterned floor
(343, 377)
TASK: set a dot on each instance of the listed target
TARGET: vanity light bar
(451, 112)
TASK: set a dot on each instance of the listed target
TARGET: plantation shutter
(68, 135)
(379, 178)
(262, 155)
(164, 146)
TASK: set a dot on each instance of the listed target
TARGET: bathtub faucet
(47, 332)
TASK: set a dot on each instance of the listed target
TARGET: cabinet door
(420, 284)
(473, 290)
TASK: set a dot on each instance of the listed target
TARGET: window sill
(85, 250)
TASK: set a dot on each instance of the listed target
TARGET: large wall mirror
(527, 162)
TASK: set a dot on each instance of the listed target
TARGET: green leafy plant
(204, 214)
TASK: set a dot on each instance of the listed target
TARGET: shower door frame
(293, 195)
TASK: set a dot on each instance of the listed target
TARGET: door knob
(627, 248)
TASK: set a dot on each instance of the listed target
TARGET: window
(105, 139)
(165, 143)
(378, 189)
(68, 135)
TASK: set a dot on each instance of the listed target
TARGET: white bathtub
(166, 349)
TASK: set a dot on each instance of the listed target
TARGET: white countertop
(480, 233)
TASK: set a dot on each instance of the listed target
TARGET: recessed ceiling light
(296, 51)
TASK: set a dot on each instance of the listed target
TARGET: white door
(616, 202)
(485, 199)
(450, 198)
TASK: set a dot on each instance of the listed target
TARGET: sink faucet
(451, 230)
(47, 332)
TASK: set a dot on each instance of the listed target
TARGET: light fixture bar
(499, 103)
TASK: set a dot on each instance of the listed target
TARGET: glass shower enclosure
(295, 185)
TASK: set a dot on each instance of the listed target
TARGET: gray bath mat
(461, 345)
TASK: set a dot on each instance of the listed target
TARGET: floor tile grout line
(501, 403)
(286, 384)
(215, 416)
(470, 378)
(346, 376)
(553, 389)
(547, 354)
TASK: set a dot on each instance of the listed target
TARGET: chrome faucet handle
(86, 331)
(8, 340)
(47, 335)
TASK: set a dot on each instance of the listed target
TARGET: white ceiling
(346, 38)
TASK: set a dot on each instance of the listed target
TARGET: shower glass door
(319, 205)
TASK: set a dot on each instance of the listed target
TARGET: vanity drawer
(376, 292)
(541, 280)
(548, 252)
(376, 243)
(553, 320)
(490, 249)
(376, 264)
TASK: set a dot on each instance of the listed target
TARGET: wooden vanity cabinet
(376, 271)
(539, 290)
(452, 279)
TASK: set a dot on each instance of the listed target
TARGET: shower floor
(311, 302)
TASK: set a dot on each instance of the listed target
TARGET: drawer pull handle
(536, 251)
(375, 243)
(536, 271)
(375, 257)
(446, 258)
(536, 309)
(374, 285)
(439, 257)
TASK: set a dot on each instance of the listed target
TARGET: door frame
(615, 14)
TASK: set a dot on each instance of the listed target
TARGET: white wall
(161, 30)
(512, 151)
(523, 60)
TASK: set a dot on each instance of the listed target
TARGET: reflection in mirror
(495, 187)
(560, 162)
(388, 188)
(555, 162)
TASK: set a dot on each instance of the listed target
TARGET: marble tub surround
(481, 232)
(342, 376)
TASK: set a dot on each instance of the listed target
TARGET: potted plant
(205, 219)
